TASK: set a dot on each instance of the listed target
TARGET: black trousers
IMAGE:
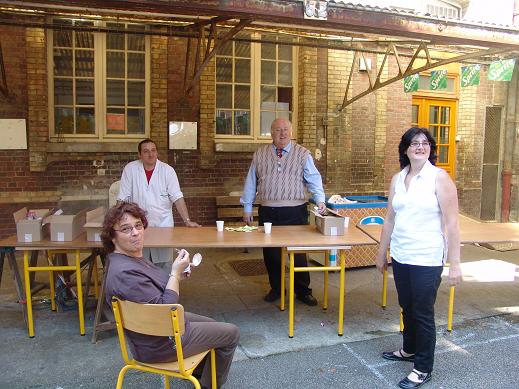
(417, 287)
(285, 216)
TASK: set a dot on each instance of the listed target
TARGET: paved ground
(480, 352)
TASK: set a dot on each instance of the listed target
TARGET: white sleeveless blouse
(418, 237)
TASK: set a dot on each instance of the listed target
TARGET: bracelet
(173, 275)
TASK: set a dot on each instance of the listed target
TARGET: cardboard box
(64, 228)
(94, 224)
(330, 224)
(31, 230)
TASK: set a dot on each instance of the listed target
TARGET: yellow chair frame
(158, 320)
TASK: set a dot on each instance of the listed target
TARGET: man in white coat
(153, 185)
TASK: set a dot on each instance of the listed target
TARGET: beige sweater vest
(280, 181)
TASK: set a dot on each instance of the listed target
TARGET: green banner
(438, 79)
(470, 75)
(411, 83)
(501, 70)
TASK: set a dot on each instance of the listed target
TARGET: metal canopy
(213, 23)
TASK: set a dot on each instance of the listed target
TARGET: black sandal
(406, 383)
(399, 356)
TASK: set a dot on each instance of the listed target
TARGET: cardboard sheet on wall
(14, 134)
(182, 135)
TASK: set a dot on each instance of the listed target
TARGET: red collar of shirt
(148, 174)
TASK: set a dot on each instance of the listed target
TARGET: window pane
(115, 64)
(434, 132)
(268, 72)
(84, 39)
(242, 71)
(443, 154)
(445, 115)
(224, 96)
(283, 115)
(414, 115)
(444, 134)
(223, 69)
(285, 52)
(242, 49)
(223, 122)
(136, 42)
(115, 92)
(85, 92)
(85, 121)
(136, 93)
(268, 94)
(63, 92)
(284, 73)
(62, 62)
(266, 120)
(242, 97)
(433, 114)
(241, 123)
(226, 49)
(285, 98)
(64, 121)
(62, 38)
(84, 63)
(268, 51)
(115, 121)
(136, 65)
(136, 121)
(115, 41)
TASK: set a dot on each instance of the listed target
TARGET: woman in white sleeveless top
(422, 226)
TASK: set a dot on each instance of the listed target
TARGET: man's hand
(192, 224)
(248, 218)
(455, 276)
(321, 207)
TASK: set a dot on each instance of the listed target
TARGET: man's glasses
(127, 229)
(416, 144)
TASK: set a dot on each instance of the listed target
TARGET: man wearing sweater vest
(279, 177)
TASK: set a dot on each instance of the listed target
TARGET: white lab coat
(156, 198)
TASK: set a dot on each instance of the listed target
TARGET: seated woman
(132, 278)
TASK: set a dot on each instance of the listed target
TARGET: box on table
(64, 228)
(367, 205)
(94, 224)
(330, 224)
(31, 230)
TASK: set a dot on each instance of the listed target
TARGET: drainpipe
(510, 134)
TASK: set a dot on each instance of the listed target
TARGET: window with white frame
(98, 81)
(255, 84)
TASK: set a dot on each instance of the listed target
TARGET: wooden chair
(158, 320)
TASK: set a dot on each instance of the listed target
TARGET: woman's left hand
(455, 276)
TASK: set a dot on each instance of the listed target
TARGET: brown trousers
(205, 333)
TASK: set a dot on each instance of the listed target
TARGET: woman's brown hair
(113, 216)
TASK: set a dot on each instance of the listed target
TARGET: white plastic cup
(219, 225)
(268, 227)
(346, 222)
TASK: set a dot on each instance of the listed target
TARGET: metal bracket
(205, 43)
(3, 81)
